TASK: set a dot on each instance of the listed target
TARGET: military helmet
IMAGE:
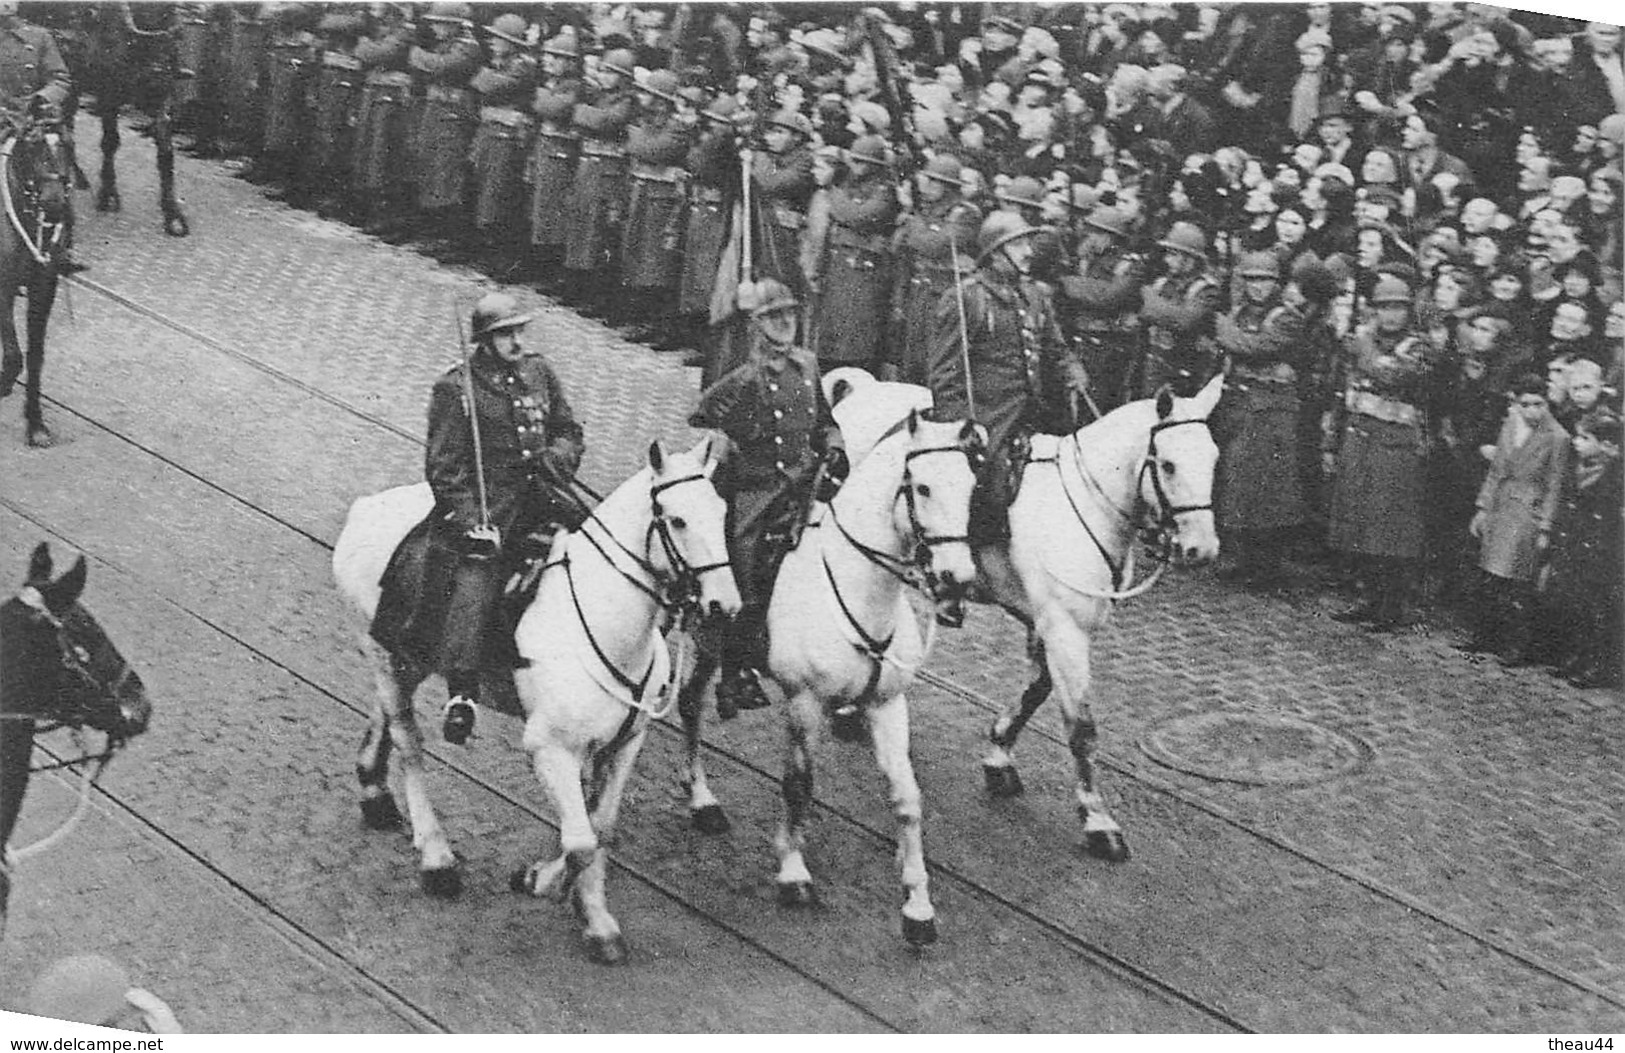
(767, 297)
(999, 229)
(662, 84)
(1186, 237)
(1024, 191)
(510, 27)
(450, 11)
(945, 168)
(870, 149)
(1109, 218)
(1260, 265)
(563, 45)
(794, 120)
(1391, 288)
(494, 312)
(620, 60)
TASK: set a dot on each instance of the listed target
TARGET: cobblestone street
(220, 400)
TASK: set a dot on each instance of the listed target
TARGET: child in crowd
(1581, 598)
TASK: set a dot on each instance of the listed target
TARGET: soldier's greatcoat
(924, 247)
(1259, 485)
(293, 56)
(553, 159)
(445, 129)
(598, 195)
(713, 164)
(1380, 489)
(438, 607)
(384, 118)
(651, 241)
(336, 100)
(783, 185)
(849, 322)
(1177, 313)
(502, 140)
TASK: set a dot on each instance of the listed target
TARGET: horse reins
(677, 594)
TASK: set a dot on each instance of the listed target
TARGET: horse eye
(678, 523)
(923, 490)
(1167, 467)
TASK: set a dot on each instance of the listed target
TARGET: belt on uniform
(1254, 377)
(449, 96)
(657, 173)
(599, 148)
(389, 78)
(1393, 411)
(930, 276)
(504, 115)
(339, 60)
(840, 238)
(705, 195)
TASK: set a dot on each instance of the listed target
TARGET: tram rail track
(1083, 947)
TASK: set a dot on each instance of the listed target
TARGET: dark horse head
(37, 171)
(57, 669)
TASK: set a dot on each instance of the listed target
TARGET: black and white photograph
(812, 518)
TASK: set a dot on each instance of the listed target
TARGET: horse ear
(1208, 397)
(64, 592)
(970, 431)
(708, 463)
(39, 564)
(913, 421)
(839, 390)
(1165, 402)
(657, 456)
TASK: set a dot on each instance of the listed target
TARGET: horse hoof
(442, 882)
(606, 950)
(797, 894)
(919, 933)
(380, 813)
(176, 226)
(848, 725)
(1106, 844)
(40, 437)
(709, 820)
(1003, 781)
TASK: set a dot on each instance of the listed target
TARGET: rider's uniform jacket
(528, 438)
(30, 64)
(1018, 360)
(772, 409)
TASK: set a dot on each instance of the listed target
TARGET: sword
(964, 327)
(485, 531)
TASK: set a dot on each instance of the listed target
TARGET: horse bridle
(30, 192)
(1167, 521)
(924, 542)
(677, 593)
(74, 662)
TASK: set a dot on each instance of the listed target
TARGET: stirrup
(457, 719)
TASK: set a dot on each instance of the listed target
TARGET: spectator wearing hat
(1178, 119)
(852, 283)
(1516, 508)
(1424, 161)
(1315, 85)
(557, 150)
(1580, 601)
(1380, 75)
(981, 57)
(771, 408)
(444, 132)
(1100, 304)
(1259, 483)
(598, 195)
(1178, 309)
(934, 246)
(657, 145)
(1379, 491)
(1022, 379)
(1334, 130)
(505, 85)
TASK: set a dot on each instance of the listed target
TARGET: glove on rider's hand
(482, 542)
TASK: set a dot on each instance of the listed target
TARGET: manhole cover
(1258, 749)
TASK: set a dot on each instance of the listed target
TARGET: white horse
(598, 666)
(844, 638)
(1144, 470)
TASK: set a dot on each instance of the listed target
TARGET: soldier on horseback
(999, 325)
(785, 451)
(500, 480)
(34, 81)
